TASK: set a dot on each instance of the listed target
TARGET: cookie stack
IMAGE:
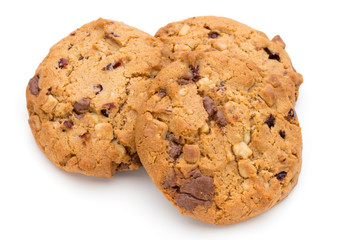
(206, 106)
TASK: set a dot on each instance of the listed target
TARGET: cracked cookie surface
(84, 97)
(219, 139)
(233, 39)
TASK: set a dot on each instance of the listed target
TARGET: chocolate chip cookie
(83, 99)
(219, 136)
(233, 39)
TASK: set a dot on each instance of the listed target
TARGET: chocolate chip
(63, 63)
(168, 111)
(213, 35)
(220, 118)
(34, 85)
(99, 88)
(82, 106)
(281, 175)
(109, 106)
(270, 121)
(68, 124)
(104, 112)
(195, 73)
(85, 136)
(198, 185)
(209, 106)
(274, 56)
(162, 93)
(72, 34)
(70, 46)
(182, 81)
(207, 27)
(282, 133)
(291, 113)
(81, 57)
(189, 203)
(175, 150)
(116, 65)
(108, 66)
(49, 91)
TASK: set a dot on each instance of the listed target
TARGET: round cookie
(84, 96)
(219, 141)
(236, 40)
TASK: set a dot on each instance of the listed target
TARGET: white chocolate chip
(104, 131)
(95, 117)
(266, 185)
(183, 31)
(183, 91)
(242, 150)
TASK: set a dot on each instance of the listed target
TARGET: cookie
(233, 39)
(218, 139)
(84, 96)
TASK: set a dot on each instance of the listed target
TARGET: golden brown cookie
(84, 97)
(233, 39)
(219, 139)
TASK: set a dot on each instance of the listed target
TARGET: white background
(40, 201)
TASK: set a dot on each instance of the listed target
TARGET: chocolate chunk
(198, 185)
(195, 73)
(109, 106)
(170, 179)
(85, 136)
(68, 124)
(82, 106)
(78, 116)
(81, 57)
(175, 150)
(281, 175)
(63, 63)
(34, 85)
(213, 35)
(274, 56)
(282, 133)
(99, 88)
(172, 138)
(209, 106)
(270, 121)
(189, 203)
(182, 81)
(104, 112)
(220, 118)
(72, 34)
(291, 113)
(70, 46)
(162, 93)
(116, 65)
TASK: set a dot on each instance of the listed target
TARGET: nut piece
(246, 169)
(104, 131)
(183, 91)
(268, 95)
(183, 31)
(191, 153)
(205, 128)
(247, 137)
(219, 45)
(277, 39)
(50, 104)
(181, 47)
(241, 150)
